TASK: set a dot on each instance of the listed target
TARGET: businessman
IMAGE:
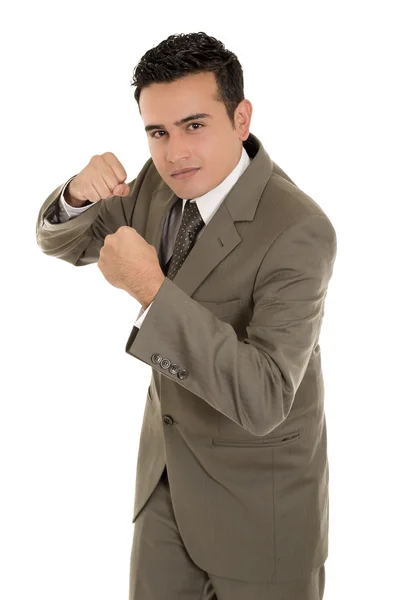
(230, 261)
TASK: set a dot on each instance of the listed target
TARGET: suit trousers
(162, 569)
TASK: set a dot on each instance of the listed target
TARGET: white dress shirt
(207, 205)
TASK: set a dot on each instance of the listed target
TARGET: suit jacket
(235, 405)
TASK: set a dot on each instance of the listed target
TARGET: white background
(322, 79)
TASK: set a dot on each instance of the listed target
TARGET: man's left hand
(128, 262)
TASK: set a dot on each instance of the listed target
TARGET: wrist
(72, 201)
(154, 291)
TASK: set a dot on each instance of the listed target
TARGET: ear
(243, 113)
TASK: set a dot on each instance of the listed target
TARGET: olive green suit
(235, 406)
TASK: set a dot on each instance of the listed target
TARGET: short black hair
(186, 54)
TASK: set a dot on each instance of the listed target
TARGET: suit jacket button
(156, 358)
(173, 369)
(167, 420)
(165, 363)
(182, 374)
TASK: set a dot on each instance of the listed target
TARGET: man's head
(188, 75)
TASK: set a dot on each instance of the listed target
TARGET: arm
(79, 240)
(66, 211)
(252, 382)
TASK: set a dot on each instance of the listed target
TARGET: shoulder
(287, 201)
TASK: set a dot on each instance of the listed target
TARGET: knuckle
(108, 155)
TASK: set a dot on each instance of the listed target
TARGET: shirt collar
(208, 203)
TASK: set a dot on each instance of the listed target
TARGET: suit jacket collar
(220, 236)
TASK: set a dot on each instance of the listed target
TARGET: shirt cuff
(142, 315)
(71, 211)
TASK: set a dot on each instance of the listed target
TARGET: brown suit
(235, 403)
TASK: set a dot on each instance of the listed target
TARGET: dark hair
(185, 54)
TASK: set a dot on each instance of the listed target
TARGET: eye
(195, 124)
(153, 135)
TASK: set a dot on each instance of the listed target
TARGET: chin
(187, 191)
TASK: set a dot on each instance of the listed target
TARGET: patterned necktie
(191, 225)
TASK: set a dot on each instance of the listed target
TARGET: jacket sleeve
(252, 382)
(79, 240)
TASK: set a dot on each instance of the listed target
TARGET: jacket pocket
(280, 440)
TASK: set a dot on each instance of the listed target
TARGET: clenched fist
(128, 262)
(102, 178)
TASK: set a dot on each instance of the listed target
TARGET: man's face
(209, 144)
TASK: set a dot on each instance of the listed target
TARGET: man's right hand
(102, 178)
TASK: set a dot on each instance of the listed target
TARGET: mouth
(185, 174)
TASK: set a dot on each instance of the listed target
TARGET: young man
(231, 262)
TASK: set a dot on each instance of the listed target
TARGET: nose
(177, 149)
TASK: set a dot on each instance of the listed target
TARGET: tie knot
(191, 218)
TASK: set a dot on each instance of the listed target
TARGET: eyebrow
(180, 122)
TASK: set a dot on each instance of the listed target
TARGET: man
(231, 264)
